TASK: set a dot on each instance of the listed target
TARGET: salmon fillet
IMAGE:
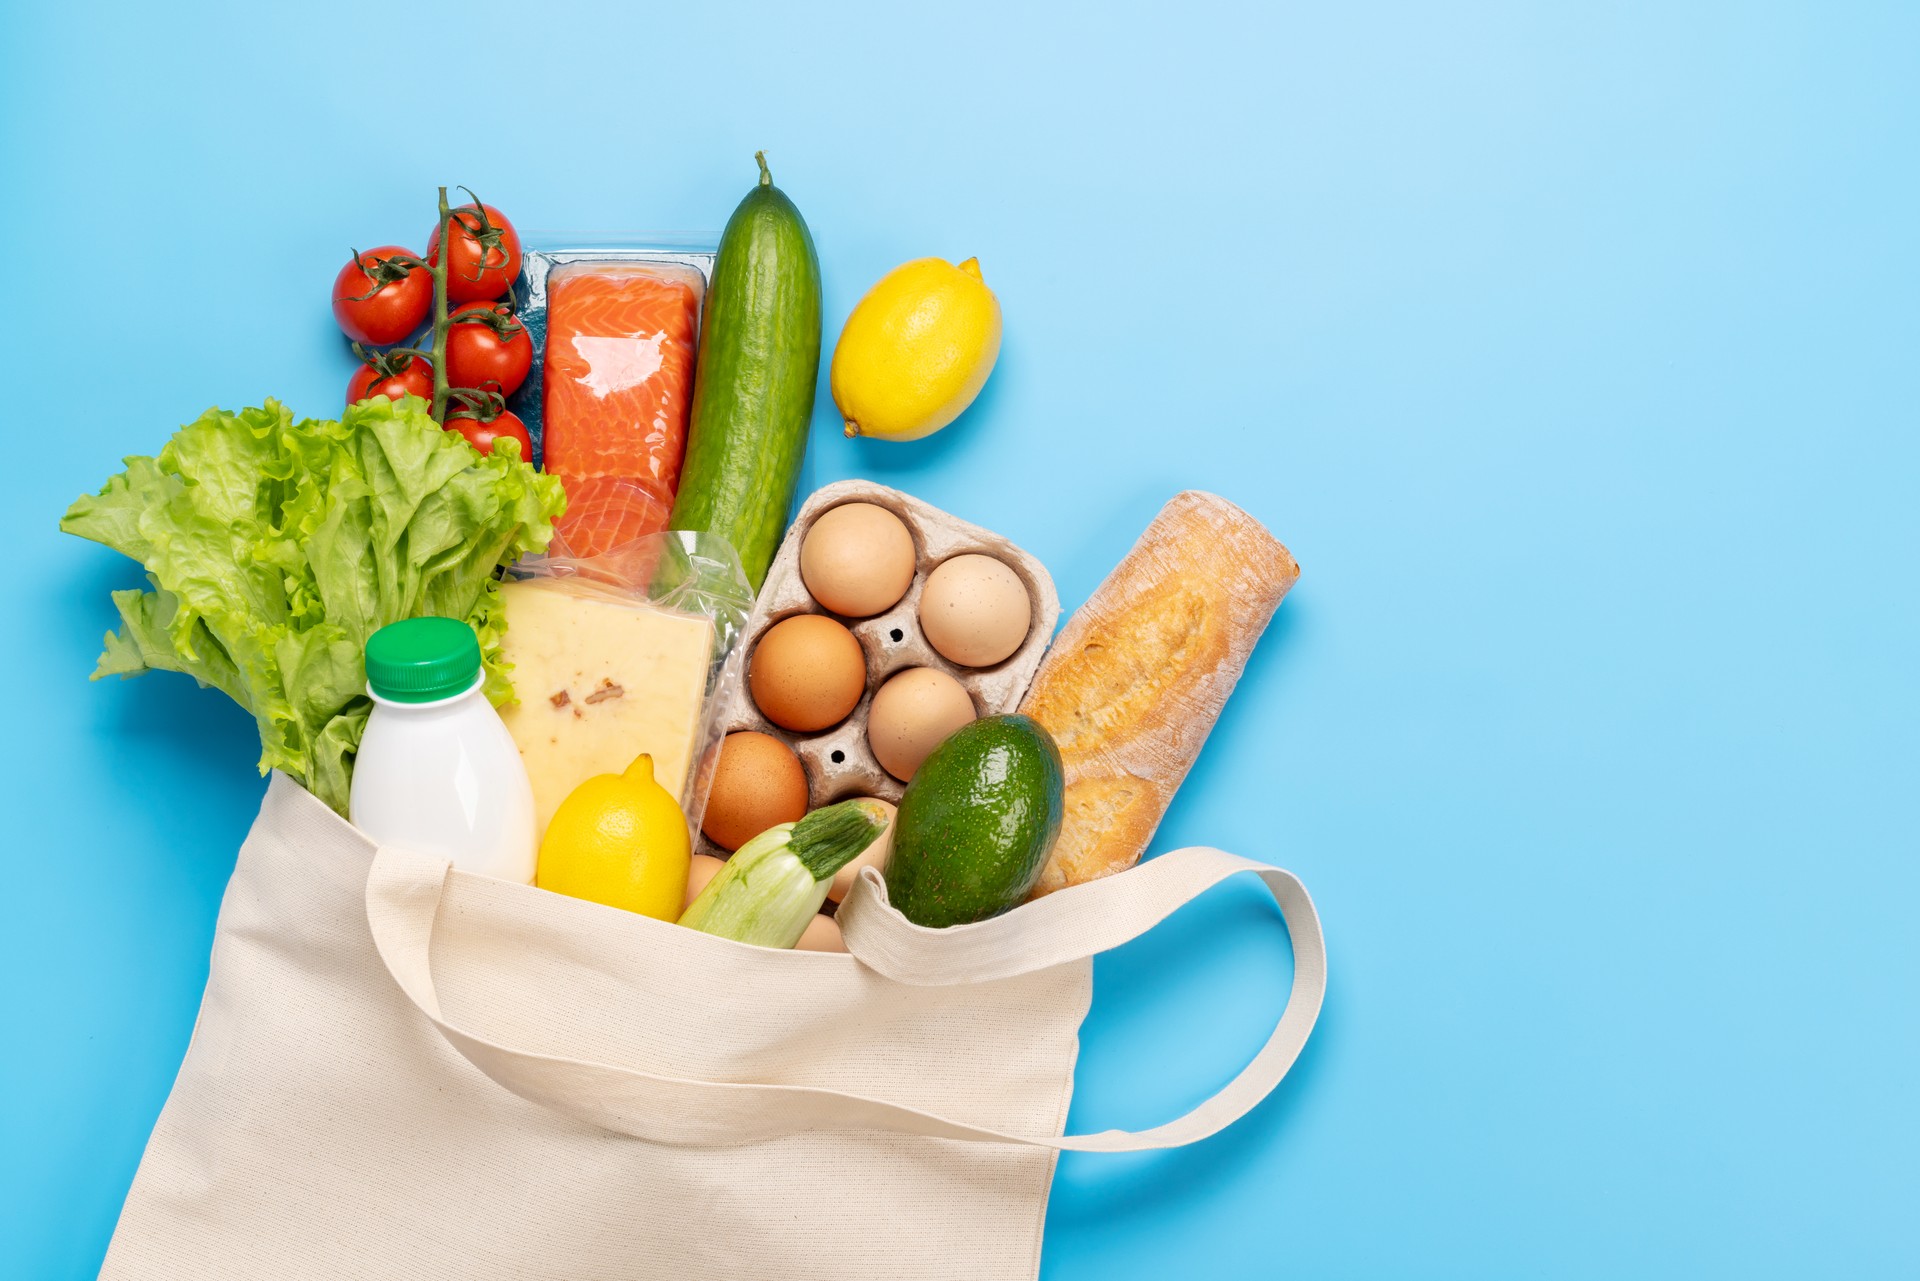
(618, 389)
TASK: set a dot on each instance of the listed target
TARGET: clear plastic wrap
(617, 390)
(620, 654)
(614, 322)
(545, 251)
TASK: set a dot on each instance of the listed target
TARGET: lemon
(916, 350)
(619, 839)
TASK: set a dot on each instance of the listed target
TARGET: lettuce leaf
(275, 548)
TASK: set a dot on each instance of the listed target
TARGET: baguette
(1136, 679)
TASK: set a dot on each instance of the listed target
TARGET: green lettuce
(275, 548)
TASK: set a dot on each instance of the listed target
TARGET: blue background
(1570, 347)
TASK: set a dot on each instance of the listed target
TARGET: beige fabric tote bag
(403, 1071)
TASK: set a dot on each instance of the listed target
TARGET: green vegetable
(753, 390)
(275, 548)
(977, 823)
(776, 882)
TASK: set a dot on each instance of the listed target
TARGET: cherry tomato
(477, 354)
(506, 425)
(379, 300)
(485, 257)
(392, 377)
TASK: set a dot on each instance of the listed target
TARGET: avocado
(977, 823)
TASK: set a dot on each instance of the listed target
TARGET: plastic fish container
(614, 321)
(543, 251)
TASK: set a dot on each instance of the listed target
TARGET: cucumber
(977, 823)
(753, 386)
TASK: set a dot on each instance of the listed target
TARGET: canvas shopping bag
(403, 1071)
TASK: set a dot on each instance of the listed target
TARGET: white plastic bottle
(437, 770)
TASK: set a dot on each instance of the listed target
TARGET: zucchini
(774, 884)
(753, 387)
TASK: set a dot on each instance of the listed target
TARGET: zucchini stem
(828, 839)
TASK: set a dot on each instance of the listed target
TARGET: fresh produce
(599, 677)
(483, 433)
(807, 673)
(276, 548)
(857, 560)
(382, 296)
(488, 349)
(976, 823)
(484, 423)
(1139, 674)
(393, 375)
(911, 715)
(770, 890)
(916, 350)
(616, 395)
(619, 839)
(758, 783)
(874, 856)
(759, 362)
(975, 610)
(485, 256)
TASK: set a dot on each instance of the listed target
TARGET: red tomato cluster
(384, 296)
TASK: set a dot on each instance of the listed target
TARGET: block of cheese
(1137, 677)
(601, 678)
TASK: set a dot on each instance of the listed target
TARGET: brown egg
(857, 560)
(702, 870)
(807, 673)
(911, 714)
(975, 611)
(758, 783)
(822, 935)
(875, 855)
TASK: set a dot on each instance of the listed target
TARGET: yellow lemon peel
(916, 350)
(619, 839)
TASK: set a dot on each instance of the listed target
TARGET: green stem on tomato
(476, 403)
(439, 270)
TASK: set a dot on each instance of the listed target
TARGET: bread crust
(1135, 681)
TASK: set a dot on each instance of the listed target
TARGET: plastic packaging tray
(542, 251)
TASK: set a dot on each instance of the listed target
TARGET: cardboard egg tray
(838, 761)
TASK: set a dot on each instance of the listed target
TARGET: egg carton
(839, 763)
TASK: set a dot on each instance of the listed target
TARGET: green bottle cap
(418, 660)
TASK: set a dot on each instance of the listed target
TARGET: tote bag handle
(404, 891)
